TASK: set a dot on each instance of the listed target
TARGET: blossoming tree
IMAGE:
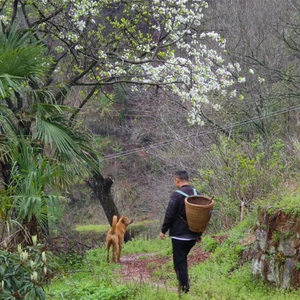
(93, 44)
(98, 43)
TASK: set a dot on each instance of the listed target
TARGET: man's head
(181, 178)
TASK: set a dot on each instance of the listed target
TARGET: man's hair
(182, 175)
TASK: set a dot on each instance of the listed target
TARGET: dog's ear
(123, 219)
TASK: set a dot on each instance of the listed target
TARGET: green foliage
(276, 236)
(288, 203)
(31, 174)
(136, 226)
(165, 273)
(40, 148)
(142, 245)
(240, 173)
(96, 228)
(92, 281)
(25, 272)
(154, 291)
(97, 280)
(21, 58)
(90, 291)
(209, 244)
(70, 262)
(224, 277)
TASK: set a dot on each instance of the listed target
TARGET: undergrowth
(224, 276)
(289, 203)
(97, 280)
(100, 228)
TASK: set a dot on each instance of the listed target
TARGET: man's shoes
(185, 289)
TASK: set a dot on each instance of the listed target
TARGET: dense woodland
(102, 101)
(124, 143)
(243, 152)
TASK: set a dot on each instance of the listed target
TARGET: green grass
(95, 228)
(98, 280)
(148, 246)
(289, 203)
(221, 277)
(100, 228)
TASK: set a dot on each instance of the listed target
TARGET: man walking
(175, 221)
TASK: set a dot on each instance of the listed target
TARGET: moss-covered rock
(276, 251)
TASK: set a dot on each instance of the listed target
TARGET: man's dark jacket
(175, 217)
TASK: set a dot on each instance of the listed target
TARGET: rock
(276, 257)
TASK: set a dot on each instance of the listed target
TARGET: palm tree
(22, 61)
(40, 151)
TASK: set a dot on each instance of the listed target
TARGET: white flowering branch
(155, 42)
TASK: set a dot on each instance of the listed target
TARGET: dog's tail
(114, 223)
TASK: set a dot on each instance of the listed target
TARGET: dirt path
(140, 267)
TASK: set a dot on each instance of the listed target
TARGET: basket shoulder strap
(186, 195)
(182, 193)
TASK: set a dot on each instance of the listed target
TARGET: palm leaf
(70, 146)
(8, 134)
(21, 59)
(31, 175)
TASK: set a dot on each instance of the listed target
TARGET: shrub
(238, 174)
(24, 272)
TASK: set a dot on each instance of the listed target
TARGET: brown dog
(115, 236)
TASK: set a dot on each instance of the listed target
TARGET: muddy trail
(141, 267)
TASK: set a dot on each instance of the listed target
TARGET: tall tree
(97, 44)
(262, 35)
(40, 151)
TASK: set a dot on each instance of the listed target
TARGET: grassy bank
(226, 275)
(146, 228)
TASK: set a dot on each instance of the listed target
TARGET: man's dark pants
(180, 251)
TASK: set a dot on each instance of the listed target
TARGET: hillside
(102, 101)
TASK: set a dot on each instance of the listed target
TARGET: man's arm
(169, 215)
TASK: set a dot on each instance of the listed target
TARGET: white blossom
(4, 19)
(217, 107)
(233, 93)
(188, 66)
(78, 47)
(59, 49)
(81, 25)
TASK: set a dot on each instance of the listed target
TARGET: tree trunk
(102, 188)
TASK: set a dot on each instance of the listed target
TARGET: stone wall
(276, 250)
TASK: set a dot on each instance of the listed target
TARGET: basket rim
(200, 196)
(211, 203)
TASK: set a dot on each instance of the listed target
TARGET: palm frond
(9, 83)
(71, 146)
(41, 208)
(8, 134)
(31, 174)
(21, 58)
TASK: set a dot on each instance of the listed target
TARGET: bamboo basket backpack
(198, 209)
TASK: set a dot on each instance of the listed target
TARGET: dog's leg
(107, 250)
(119, 254)
(115, 249)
